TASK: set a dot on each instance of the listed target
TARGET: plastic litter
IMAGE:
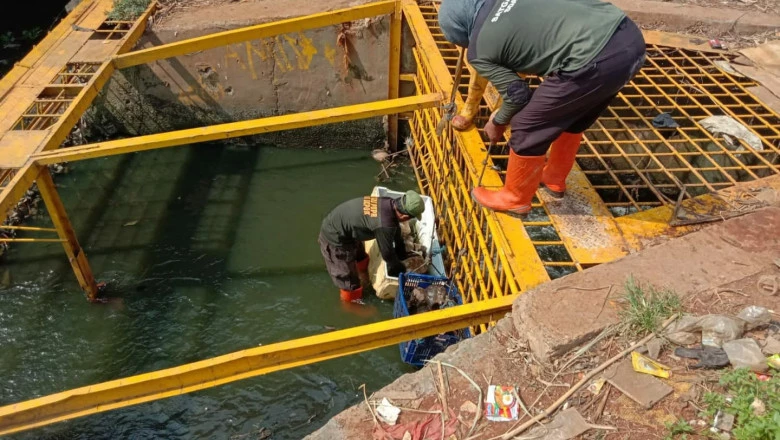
(596, 386)
(501, 405)
(723, 421)
(709, 357)
(774, 361)
(720, 125)
(759, 407)
(643, 364)
(745, 353)
(717, 329)
(388, 412)
(664, 120)
(754, 317)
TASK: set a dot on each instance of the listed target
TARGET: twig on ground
(604, 303)
(587, 289)
(371, 410)
(545, 413)
(733, 291)
(604, 333)
(602, 404)
(444, 392)
(550, 384)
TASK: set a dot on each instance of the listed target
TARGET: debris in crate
(433, 297)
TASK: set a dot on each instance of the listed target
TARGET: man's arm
(400, 246)
(385, 237)
(514, 92)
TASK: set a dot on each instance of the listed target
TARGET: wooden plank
(639, 387)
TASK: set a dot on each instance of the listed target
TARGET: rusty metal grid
(545, 238)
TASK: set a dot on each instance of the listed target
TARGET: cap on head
(412, 204)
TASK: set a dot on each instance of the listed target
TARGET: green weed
(679, 428)
(646, 307)
(127, 10)
(744, 387)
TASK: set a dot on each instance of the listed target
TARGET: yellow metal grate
(55, 99)
(635, 166)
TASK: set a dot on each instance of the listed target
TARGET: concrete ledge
(682, 16)
(565, 313)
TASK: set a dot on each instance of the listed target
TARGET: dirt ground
(765, 6)
(539, 385)
(188, 13)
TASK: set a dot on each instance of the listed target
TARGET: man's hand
(494, 131)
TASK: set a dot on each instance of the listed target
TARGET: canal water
(206, 250)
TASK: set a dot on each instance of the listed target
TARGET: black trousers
(572, 101)
(341, 261)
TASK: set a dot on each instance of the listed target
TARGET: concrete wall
(295, 72)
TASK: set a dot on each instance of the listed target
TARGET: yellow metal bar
(76, 256)
(242, 364)
(137, 29)
(27, 228)
(31, 240)
(237, 129)
(253, 32)
(16, 188)
(393, 79)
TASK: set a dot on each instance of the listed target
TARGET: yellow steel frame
(254, 32)
(241, 365)
(238, 129)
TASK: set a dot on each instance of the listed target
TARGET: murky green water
(207, 249)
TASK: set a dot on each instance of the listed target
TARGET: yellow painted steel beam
(237, 129)
(138, 28)
(14, 191)
(253, 32)
(243, 364)
(76, 255)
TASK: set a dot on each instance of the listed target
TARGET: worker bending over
(585, 50)
(366, 218)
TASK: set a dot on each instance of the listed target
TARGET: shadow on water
(207, 249)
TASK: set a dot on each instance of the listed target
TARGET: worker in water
(349, 225)
(585, 51)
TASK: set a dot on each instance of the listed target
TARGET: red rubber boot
(351, 295)
(523, 175)
(562, 154)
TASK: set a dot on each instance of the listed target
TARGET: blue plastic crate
(417, 351)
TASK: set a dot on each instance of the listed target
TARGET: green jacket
(535, 37)
(368, 218)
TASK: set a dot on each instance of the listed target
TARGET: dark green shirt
(537, 37)
(368, 218)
